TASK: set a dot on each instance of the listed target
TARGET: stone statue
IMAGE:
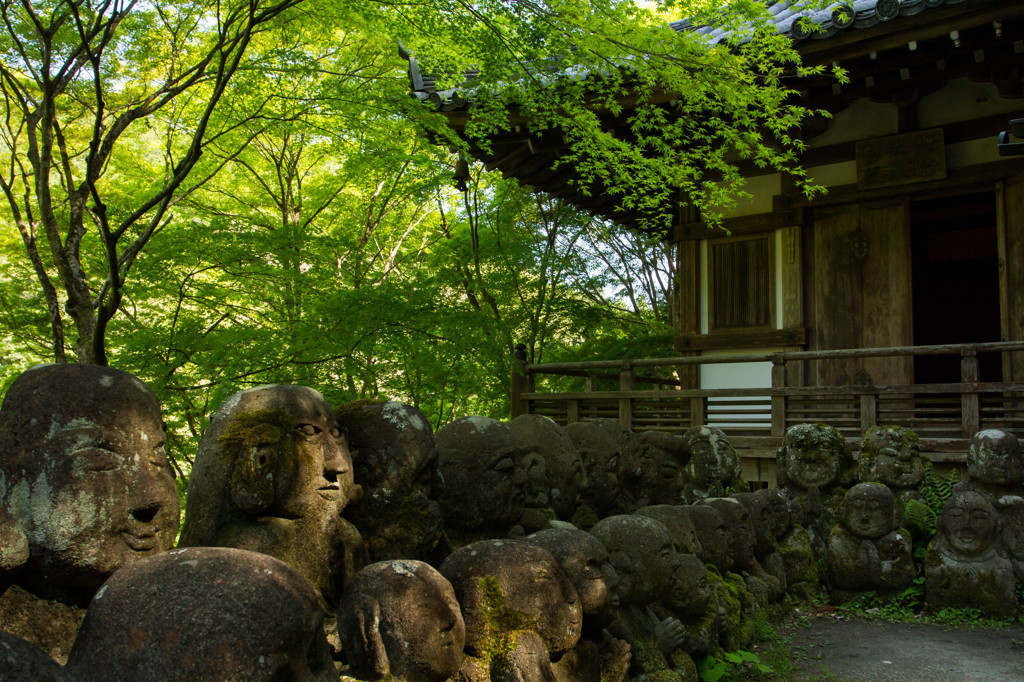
(891, 455)
(645, 559)
(638, 471)
(714, 469)
(694, 603)
(601, 455)
(715, 540)
(273, 475)
(597, 657)
(554, 471)
(393, 457)
(676, 518)
(815, 469)
(868, 551)
(762, 587)
(766, 549)
(203, 613)
(668, 455)
(794, 543)
(963, 568)
(479, 481)
(399, 620)
(506, 587)
(85, 488)
(995, 468)
(24, 662)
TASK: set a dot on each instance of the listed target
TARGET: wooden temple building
(895, 298)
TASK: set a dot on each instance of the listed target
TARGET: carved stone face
(400, 619)
(513, 580)
(741, 529)
(868, 511)
(601, 457)
(394, 457)
(668, 455)
(676, 519)
(480, 480)
(644, 556)
(778, 506)
(813, 455)
(715, 539)
(554, 470)
(204, 613)
(691, 589)
(585, 560)
(88, 483)
(890, 455)
(761, 519)
(969, 523)
(712, 457)
(272, 454)
(995, 458)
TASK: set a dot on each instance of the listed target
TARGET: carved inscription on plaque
(901, 159)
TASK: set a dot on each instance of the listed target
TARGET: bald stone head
(869, 510)
(554, 470)
(85, 484)
(995, 459)
(643, 554)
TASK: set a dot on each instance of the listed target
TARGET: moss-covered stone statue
(963, 567)
(668, 456)
(602, 458)
(766, 549)
(204, 613)
(869, 551)
(743, 537)
(815, 468)
(554, 471)
(598, 657)
(714, 469)
(891, 455)
(794, 543)
(85, 488)
(399, 620)
(479, 481)
(645, 559)
(393, 457)
(512, 593)
(995, 468)
(273, 475)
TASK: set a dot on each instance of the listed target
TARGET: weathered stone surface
(479, 482)
(676, 519)
(714, 470)
(85, 488)
(601, 455)
(766, 549)
(668, 454)
(891, 455)
(272, 475)
(399, 620)
(715, 540)
(21, 661)
(794, 544)
(694, 603)
(203, 613)
(393, 458)
(869, 551)
(963, 568)
(555, 477)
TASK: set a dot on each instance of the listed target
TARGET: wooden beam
(725, 340)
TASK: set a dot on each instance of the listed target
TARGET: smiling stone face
(891, 455)
(995, 459)
(85, 477)
(869, 510)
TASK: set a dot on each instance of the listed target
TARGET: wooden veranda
(646, 394)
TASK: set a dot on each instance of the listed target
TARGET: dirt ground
(826, 645)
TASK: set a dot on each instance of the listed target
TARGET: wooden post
(572, 412)
(779, 398)
(626, 377)
(697, 415)
(868, 411)
(969, 410)
(520, 384)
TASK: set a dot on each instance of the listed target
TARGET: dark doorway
(955, 271)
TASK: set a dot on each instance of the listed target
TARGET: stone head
(555, 476)
(85, 484)
(668, 455)
(741, 529)
(813, 455)
(529, 661)
(779, 508)
(712, 458)
(513, 585)
(399, 620)
(601, 455)
(676, 518)
(393, 458)
(203, 613)
(762, 520)
(995, 458)
(585, 561)
(715, 538)
(643, 554)
(891, 455)
(869, 510)
(969, 523)
(691, 588)
(479, 481)
(21, 661)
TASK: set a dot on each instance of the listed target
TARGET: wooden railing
(944, 415)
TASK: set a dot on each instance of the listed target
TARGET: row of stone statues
(484, 551)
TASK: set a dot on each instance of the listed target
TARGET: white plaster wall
(858, 121)
(762, 188)
(834, 174)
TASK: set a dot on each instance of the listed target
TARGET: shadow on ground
(827, 645)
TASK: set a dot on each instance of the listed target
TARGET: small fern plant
(935, 489)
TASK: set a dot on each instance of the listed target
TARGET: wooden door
(1011, 273)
